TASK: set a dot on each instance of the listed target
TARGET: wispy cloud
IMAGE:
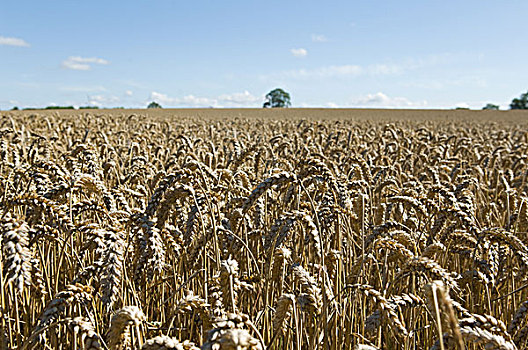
(319, 38)
(9, 41)
(470, 81)
(346, 70)
(240, 99)
(300, 52)
(28, 84)
(325, 72)
(83, 88)
(82, 63)
(375, 69)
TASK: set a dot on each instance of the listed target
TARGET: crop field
(263, 229)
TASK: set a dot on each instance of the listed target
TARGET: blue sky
(404, 54)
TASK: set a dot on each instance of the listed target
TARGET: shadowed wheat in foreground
(152, 232)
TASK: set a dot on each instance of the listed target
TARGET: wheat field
(264, 229)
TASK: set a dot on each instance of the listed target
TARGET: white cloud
(462, 105)
(103, 100)
(160, 98)
(187, 101)
(382, 100)
(129, 93)
(240, 99)
(13, 42)
(319, 38)
(300, 52)
(82, 63)
(377, 100)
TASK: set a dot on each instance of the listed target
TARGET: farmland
(252, 229)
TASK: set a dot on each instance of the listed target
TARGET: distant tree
(88, 107)
(521, 102)
(491, 106)
(59, 107)
(14, 108)
(277, 98)
(154, 104)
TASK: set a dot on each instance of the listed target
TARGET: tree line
(517, 103)
(278, 98)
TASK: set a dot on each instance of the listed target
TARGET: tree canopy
(277, 98)
(521, 102)
(491, 106)
(154, 104)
